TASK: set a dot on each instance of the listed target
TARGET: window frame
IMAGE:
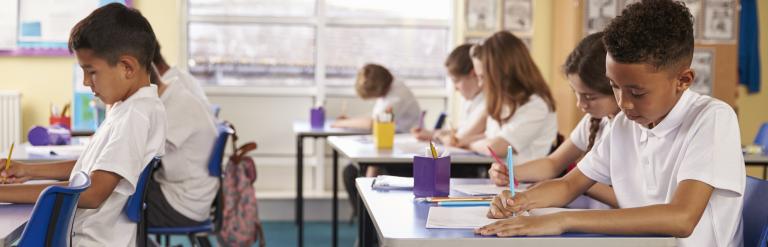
(320, 21)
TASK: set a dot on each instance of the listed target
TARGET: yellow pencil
(432, 148)
(8, 161)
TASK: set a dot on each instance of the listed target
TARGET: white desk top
(303, 128)
(400, 221)
(13, 218)
(755, 158)
(28, 153)
(361, 149)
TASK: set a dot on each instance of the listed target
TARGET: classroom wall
(46, 80)
(752, 107)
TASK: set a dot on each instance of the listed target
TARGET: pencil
(8, 162)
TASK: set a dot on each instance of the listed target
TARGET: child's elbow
(686, 225)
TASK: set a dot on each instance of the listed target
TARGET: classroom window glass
(296, 43)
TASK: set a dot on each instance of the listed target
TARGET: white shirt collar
(673, 119)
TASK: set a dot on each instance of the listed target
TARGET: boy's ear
(685, 79)
(129, 65)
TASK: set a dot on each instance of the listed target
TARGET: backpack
(241, 225)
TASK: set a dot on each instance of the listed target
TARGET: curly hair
(654, 32)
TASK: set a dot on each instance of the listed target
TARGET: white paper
(64, 151)
(386, 182)
(473, 217)
(485, 189)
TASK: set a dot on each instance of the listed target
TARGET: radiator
(10, 119)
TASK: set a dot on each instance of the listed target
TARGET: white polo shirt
(580, 134)
(187, 81)
(531, 130)
(699, 139)
(130, 136)
(473, 111)
(404, 106)
(184, 178)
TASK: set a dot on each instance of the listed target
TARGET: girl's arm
(354, 123)
(550, 166)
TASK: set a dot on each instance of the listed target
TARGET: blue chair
(213, 224)
(135, 206)
(215, 109)
(755, 214)
(52, 216)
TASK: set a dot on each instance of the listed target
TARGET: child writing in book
(114, 46)
(519, 104)
(585, 69)
(376, 82)
(672, 156)
(182, 191)
(472, 124)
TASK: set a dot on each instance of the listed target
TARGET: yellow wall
(752, 108)
(46, 80)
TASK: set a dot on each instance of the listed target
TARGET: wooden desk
(397, 220)
(303, 130)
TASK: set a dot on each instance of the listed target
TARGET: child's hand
(16, 173)
(551, 224)
(505, 205)
(342, 117)
(499, 174)
(421, 135)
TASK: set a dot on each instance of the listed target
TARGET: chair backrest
(215, 109)
(53, 214)
(215, 169)
(761, 139)
(134, 207)
(440, 121)
(217, 154)
(755, 214)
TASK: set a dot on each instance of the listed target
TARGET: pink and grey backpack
(241, 225)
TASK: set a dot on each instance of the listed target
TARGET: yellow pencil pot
(383, 134)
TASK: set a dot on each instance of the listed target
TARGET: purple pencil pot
(431, 177)
(317, 118)
(54, 135)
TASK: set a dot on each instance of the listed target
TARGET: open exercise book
(472, 217)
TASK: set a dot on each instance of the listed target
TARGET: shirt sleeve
(579, 135)
(523, 128)
(124, 152)
(596, 163)
(713, 154)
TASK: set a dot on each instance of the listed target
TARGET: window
(299, 43)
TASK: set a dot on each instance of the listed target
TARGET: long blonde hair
(511, 77)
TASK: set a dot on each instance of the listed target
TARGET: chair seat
(206, 226)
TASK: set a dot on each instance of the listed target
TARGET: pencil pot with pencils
(383, 134)
(63, 121)
(317, 118)
(431, 176)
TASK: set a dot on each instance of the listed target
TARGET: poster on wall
(703, 65)
(694, 6)
(481, 16)
(599, 14)
(517, 15)
(719, 20)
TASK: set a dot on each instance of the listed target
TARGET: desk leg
(300, 188)
(335, 214)
(365, 226)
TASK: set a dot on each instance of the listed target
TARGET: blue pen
(464, 203)
(511, 171)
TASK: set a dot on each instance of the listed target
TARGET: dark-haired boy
(114, 46)
(673, 156)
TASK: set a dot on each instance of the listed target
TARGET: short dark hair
(459, 62)
(654, 32)
(115, 30)
(587, 61)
